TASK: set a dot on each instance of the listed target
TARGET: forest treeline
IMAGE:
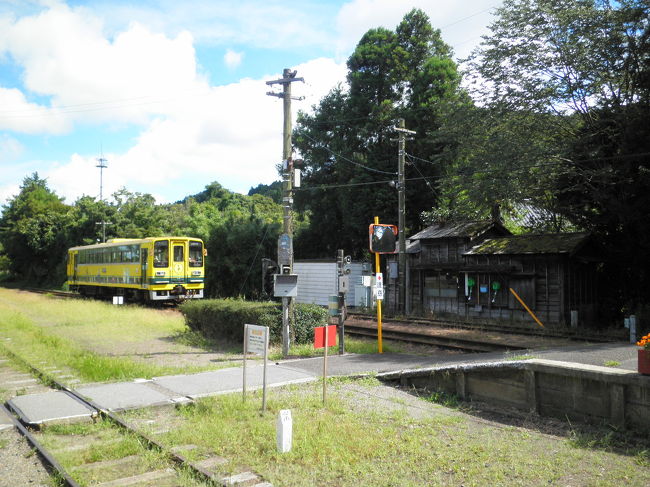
(546, 121)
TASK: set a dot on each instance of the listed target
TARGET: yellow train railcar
(147, 269)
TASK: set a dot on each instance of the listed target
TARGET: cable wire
(268, 225)
(346, 159)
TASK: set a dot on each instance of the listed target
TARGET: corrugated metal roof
(556, 243)
(450, 230)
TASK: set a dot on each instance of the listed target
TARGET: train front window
(161, 253)
(178, 253)
(196, 254)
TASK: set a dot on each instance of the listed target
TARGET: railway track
(569, 334)
(144, 459)
(442, 341)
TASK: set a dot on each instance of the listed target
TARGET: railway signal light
(382, 238)
(269, 268)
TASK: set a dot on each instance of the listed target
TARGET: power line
(346, 159)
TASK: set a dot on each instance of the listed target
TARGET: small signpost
(325, 337)
(256, 340)
(379, 285)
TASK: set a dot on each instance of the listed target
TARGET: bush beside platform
(225, 318)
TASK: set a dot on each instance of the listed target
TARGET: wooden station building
(466, 270)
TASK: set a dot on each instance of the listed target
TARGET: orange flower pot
(644, 362)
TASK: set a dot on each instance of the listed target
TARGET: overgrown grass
(520, 357)
(612, 363)
(103, 442)
(34, 344)
(343, 445)
(352, 345)
(447, 400)
(31, 326)
(92, 321)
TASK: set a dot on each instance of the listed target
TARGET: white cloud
(19, 115)
(231, 134)
(67, 57)
(460, 28)
(96, 73)
(10, 148)
(8, 192)
(233, 59)
(261, 23)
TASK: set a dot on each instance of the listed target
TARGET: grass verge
(357, 441)
(31, 342)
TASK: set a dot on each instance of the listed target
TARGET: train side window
(196, 254)
(135, 254)
(161, 253)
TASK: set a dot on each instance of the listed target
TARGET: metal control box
(285, 285)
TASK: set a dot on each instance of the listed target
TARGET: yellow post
(526, 307)
(377, 270)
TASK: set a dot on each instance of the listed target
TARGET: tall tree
(350, 159)
(32, 232)
(575, 73)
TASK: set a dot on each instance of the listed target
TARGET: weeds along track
(423, 326)
(415, 337)
(130, 448)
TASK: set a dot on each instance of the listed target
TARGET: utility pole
(102, 165)
(288, 77)
(401, 210)
(103, 224)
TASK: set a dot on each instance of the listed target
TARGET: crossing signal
(382, 238)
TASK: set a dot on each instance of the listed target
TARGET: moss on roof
(451, 230)
(556, 243)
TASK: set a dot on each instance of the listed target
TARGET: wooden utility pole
(401, 210)
(288, 77)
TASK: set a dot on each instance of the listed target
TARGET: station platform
(51, 407)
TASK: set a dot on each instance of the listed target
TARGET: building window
(440, 285)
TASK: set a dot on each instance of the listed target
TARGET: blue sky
(173, 93)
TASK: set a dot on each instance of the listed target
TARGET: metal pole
(401, 203)
(244, 368)
(325, 365)
(266, 359)
(341, 300)
(377, 271)
(285, 327)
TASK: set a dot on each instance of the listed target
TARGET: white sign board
(379, 280)
(256, 339)
(380, 292)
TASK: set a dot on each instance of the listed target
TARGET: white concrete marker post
(118, 299)
(284, 427)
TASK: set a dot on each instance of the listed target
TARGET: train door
(75, 262)
(178, 261)
(144, 254)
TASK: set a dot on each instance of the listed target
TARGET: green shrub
(225, 318)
